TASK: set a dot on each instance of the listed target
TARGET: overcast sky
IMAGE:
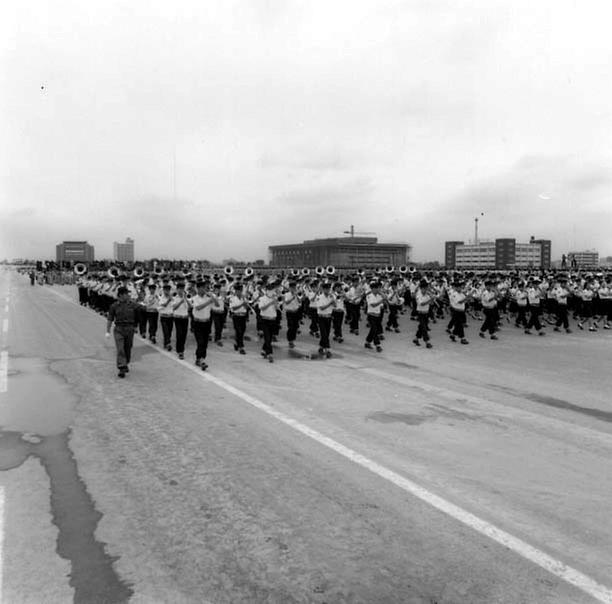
(209, 129)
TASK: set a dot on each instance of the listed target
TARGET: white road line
(1, 540)
(3, 371)
(5, 326)
(561, 570)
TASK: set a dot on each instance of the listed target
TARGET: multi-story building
(74, 251)
(124, 252)
(586, 259)
(499, 254)
(340, 252)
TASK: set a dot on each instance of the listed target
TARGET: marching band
(324, 303)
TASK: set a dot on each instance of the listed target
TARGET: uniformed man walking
(123, 313)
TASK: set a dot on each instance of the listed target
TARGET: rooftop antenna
(352, 232)
(476, 228)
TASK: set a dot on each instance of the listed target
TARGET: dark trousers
(141, 316)
(83, 296)
(337, 320)
(181, 324)
(314, 320)
(375, 323)
(240, 322)
(167, 324)
(521, 316)
(201, 331)
(152, 318)
(218, 321)
(324, 329)
(353, 311)
(562, 316)
(293, 322)
(458, 321)
(423, 328)
(268, 326)
(393, 312)
(124, 339)
(490, 322)
(534, 318)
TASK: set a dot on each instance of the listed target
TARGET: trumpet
(80, 268)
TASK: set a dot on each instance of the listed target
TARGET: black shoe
(556, 329)
(494, 337)
(203, 366)
(198, 362)
(236, 347)
(528, 332)
(367, 345)
(381, 337)
(242, 351)
(153, 341)
(270, 359)
(379, 349)
(416, 342)
(464, 341)
(340, 340)
(481, 334)
(181, 356)
(429, 345)
(453, 338)
(121, 373)
(328, 354)
(126, 369)
(397, 330)
(291, 344)
(219, 343)
(321, 351)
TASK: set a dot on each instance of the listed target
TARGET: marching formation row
(329, 304)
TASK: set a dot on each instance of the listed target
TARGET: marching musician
(201, 305)
(394, 300)
(354, 297)
(561, 294)
(165, 315)
(151, 302)
(267, 304)
(292, 305)
(180, 313)
(374, 301)
(488, 300)
(338, 311)
(239, 309)
(457, 299)
(534, 297)
(218, 313)
(423, 298)
(324, 304)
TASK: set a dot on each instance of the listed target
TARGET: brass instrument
(248, 271)
(320, 271)
(138, 272)
(229, 270)
(330, 270)
(403, 269)
(113, 272)
(80, 268)
(305, 271)
(389, 269)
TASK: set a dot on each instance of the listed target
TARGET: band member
(586, 295)
(424, 298)
(165, 315)
(521, 305)
(534, 297)
(123, 313)
(338, 311)
(239, 309)
(374, 301)
(354, 297)
(201, 305)
(292, 304)
(457, 300)
(561, 294)
(394, 301)
(180, 313)
(218, 314)
(151, 302)
(605, 295)
(139, 298)
(267, 304)
(311, 309)
(324, 303)
(489, 307)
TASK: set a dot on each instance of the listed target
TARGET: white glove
(107, 334)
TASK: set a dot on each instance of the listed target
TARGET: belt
(201, 320)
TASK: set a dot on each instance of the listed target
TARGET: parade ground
(474, 474)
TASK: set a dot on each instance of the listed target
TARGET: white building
(124, 252)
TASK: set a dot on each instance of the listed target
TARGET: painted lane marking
(5, 326)
(1, 540)
(557, 568)
(4, 371)
(561, 570)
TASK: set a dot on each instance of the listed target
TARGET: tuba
(229, 270)
(295, 272)
(320, 271)
(248, 271)
(305, 271)
(403, 269)
(330, 270)
(138, 272)
(389, 269)
(113, 272)
(80, 268)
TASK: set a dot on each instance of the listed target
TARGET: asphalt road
(461, 474)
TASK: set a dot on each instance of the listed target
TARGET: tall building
(74, 251)
(340, 252)
(586, 259)
(124, 252)
(501, 254)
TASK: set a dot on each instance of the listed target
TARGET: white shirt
(203, 314)
(236, 306)
(423, 301)
(270, 311)
(325, 304)
(372, 301)
(292, 303)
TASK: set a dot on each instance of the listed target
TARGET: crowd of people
(171, 306)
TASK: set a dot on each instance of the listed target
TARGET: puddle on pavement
(35, 420)
(558, 403)
(430, 413)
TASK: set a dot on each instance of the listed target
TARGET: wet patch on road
(429, 414)
(557, 403)
(35, 422)
(407, 365)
